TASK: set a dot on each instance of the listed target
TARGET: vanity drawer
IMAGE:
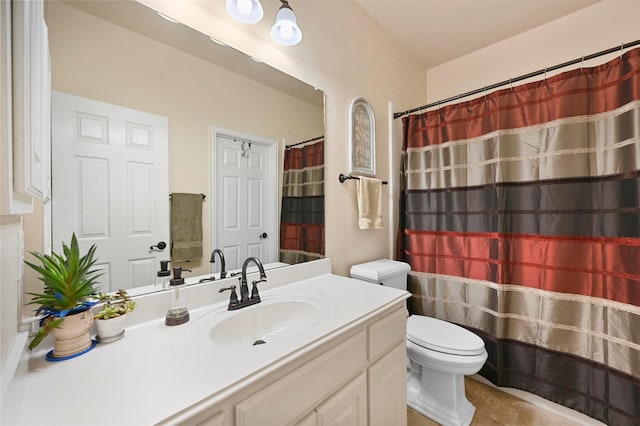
(297, 394)
(387, 332)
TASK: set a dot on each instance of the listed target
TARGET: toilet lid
(442, 336)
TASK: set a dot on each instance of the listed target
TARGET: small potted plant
(69, 284)
(111, 317)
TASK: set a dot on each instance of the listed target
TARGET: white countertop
(156, 371)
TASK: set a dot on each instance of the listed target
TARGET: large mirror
(123, 55)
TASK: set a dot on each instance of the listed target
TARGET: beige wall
(344, 53)
(606, 24)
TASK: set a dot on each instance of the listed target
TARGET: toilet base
(443, 400)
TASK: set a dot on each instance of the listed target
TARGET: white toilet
(439, 353)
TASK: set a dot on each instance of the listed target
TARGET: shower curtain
(302, 215)
(520, 218)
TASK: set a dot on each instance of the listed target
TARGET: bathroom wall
(598, 27)
(344, 53)
(341, 53)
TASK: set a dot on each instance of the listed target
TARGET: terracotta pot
(73, 335)
(111, 329)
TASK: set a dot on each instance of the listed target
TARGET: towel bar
(344, 177)
(203, 196)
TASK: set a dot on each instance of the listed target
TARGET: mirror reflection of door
(245, 198)
(110, 186)
(158, 54)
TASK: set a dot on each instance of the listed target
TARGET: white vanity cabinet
(348, 366)
(356, 378)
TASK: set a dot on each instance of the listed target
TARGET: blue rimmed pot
(73, 337)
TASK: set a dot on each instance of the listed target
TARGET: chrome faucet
(245, 298)
(223, 271)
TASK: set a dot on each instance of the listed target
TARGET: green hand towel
(186, 226)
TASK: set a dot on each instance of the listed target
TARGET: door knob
(263, 236)
(160, 246)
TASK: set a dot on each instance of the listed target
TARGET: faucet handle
(254, 288)
(233, 298)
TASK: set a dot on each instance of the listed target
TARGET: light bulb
(286, 31)
(244, 6)
(245, 11)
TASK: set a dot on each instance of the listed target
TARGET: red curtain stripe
(574, 93)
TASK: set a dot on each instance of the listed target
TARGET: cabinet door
(31, 98)
(347, 407)
(310, 420)
(24, 106)
(217, 419)
(296, 394)
(388, 388)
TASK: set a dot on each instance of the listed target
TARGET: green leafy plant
(115, 305)
(69, 283)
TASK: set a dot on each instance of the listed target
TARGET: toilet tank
(387, 272)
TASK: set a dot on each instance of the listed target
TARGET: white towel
(369, 194)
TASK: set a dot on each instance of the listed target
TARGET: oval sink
(267, 322)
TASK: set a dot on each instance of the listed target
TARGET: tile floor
(497, 408)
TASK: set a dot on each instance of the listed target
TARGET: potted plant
(112, 316)
(69, 283)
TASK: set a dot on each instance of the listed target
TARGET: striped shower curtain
(521, 222)
(302, 215)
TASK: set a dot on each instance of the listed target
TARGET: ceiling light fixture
(245, 11)
(286, 31)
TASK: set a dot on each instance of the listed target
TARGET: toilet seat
(441, 336)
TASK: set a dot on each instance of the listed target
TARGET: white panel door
(110, 186)
(246, 204)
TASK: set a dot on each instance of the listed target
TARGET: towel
(186, 226)
(369, 194)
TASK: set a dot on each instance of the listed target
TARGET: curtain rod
(519, 78)
(308, 140)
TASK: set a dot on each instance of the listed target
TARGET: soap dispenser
(177, 312)
(163, 276)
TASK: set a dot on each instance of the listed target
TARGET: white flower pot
(111, 329)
